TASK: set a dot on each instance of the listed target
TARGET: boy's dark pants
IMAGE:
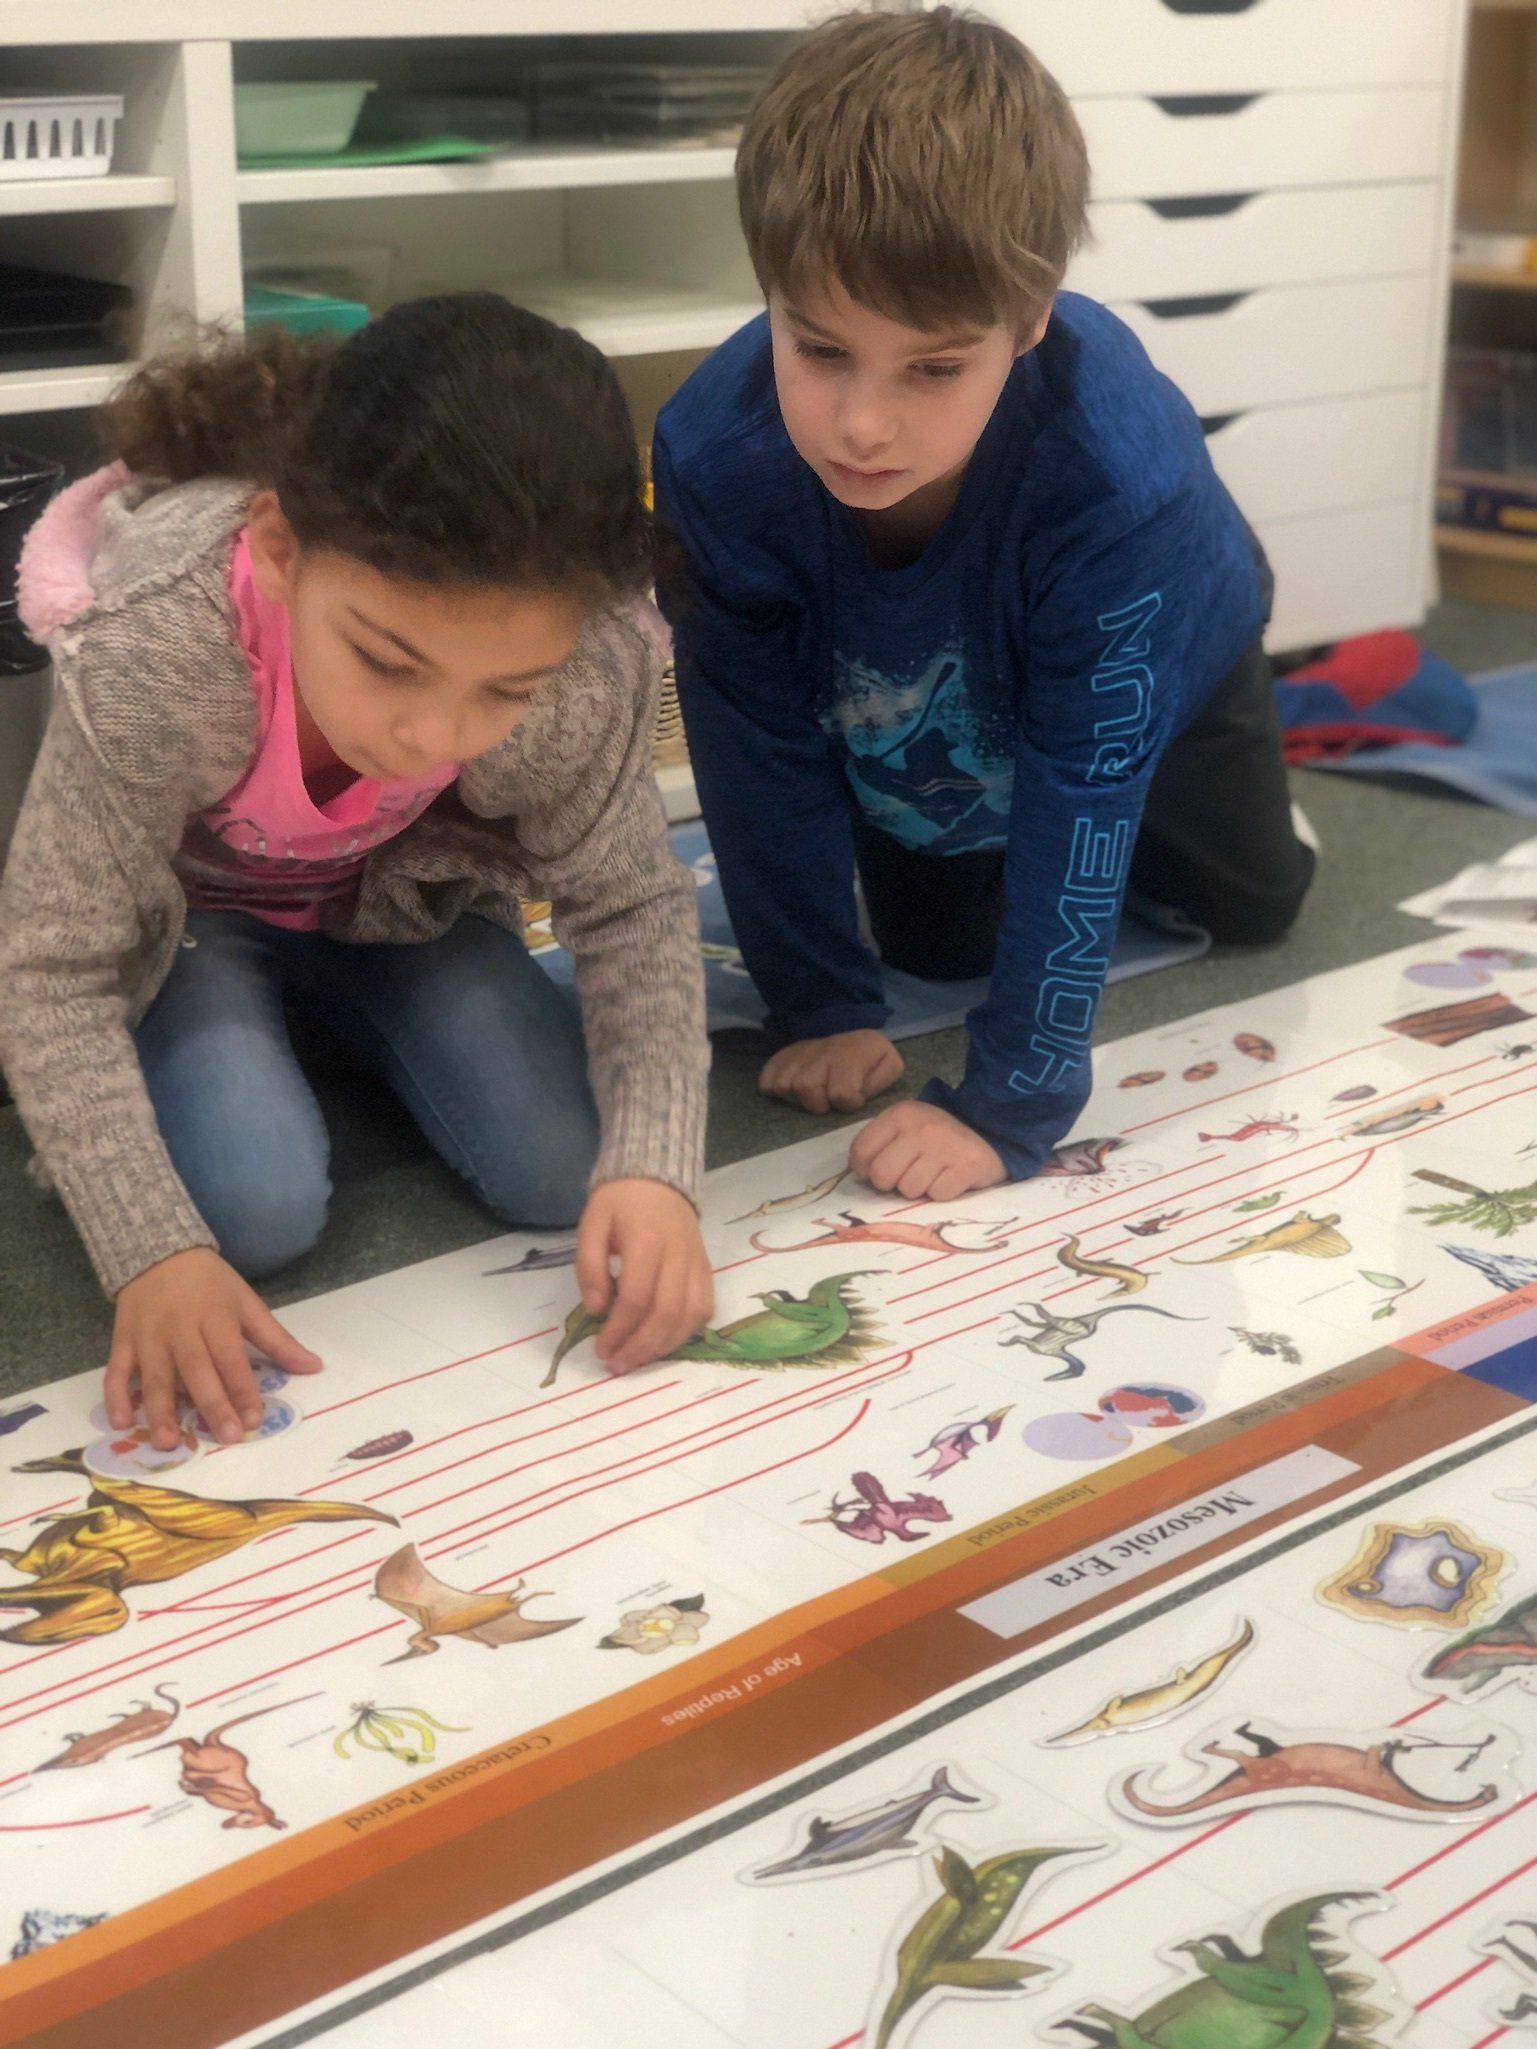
(1216, 843)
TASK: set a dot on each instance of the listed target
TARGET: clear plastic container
(297, 117)
(664, 103)
(492, 118)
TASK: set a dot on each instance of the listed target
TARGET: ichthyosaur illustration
(131, 1534)
(1050, 1336)
(1157, 1703)
(1295, 1991)
(872, 1832)
(824, 1327)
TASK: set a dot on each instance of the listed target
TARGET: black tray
(49, 321)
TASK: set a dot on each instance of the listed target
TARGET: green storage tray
(303, 312)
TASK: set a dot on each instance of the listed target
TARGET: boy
(965, 601)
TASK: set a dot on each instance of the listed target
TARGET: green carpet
(394, 1203)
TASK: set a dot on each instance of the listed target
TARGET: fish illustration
(776, 1204)
(1504, 1647)
(1383, 1123)
(1144, 1079)
(1081, 1156)
(439, 1610)
(138, 1727)
(872, 1832)
(1130, 1280)
(1203, 1070)
(12, 1419)
(1312, 1237)
(957, 1441)
(535, 1260)
(1254, 1046)
(1149, 1227)
(1359, 1094)
(1158, 1703)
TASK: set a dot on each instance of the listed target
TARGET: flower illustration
(663, 1628)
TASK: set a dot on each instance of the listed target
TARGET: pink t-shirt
(266, 848)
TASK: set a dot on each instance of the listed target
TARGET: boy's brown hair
(927, 162)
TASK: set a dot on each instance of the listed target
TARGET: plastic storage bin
(327, 269)
(640, 103)
(49, 321)
(297, 117)
(495, 119)
(1488, 475)
(303, 312)
(58, 134)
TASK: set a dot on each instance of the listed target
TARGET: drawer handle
(1202, 206)
(1213, 423)
(1202, 104)
(1195, 309)
(1210, 6)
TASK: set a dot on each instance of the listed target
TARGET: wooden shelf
(1458, 540)
(118, 193)
(55, 391)
(1489, 569)
(533, 169)
(1490, 277)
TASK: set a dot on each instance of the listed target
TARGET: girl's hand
(182, 1324)
(665, 1292)
(922, 1152)
(839, 1073)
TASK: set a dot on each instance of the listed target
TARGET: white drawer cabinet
(1287, 462)
(1339, 573)
(1146, 248)
(1160, 148)
(1203, 46)
(1231, 351)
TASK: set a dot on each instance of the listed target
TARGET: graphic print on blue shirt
(924, 760)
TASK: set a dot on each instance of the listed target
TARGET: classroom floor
(394, 1202)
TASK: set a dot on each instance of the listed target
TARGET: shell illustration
(1252, 1044)
(1202, 1071)
(1142, 1080)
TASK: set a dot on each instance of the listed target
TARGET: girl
(345, 665)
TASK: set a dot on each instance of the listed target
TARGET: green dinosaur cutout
(826, 1328)
(1294, 1994)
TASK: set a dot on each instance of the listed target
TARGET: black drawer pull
(1200, 104)
(1194, 309)
(1203, 206)
(1210, 6)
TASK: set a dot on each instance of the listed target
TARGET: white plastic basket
(57, 134)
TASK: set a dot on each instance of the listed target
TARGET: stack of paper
(1500, 893)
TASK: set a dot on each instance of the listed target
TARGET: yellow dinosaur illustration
(130, 1534)
(1158, 1703)
(1313, 1237)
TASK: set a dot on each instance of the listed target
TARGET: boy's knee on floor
(1266, 909)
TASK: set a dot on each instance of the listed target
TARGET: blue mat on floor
(1496, 764)
(1148, 939)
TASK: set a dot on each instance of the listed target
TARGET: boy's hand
(666, 1291)
(182, 1324)
(922, 1152)
(840, 1073)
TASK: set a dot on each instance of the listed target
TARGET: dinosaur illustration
(1150, 1227)
(217, 1772)
(138, 1727)
(12, 1419)
(1521, 1955)
(1130, 1280)
(1276, 1771)
(1293, 1992)
(957, 1441)
(131, 1534)
(872, 1832)
(1050, 1336)
(826, 1327)
(1505, 1647)
(778, 1204)
(1286, 1126)
(439, 1610)
(1158, 1703)
(1080, 1156)
(848, 1229)
(1313, 1237)
(875, 1516)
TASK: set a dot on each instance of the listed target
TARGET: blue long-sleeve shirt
(1014, 686)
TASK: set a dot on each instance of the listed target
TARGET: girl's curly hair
(457, 439)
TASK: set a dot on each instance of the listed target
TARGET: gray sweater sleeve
(69, 917)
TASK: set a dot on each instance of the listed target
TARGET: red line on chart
(1525, 1068)
(1387, 1095)
(406, 1379)
(27, 1828)
(1452, 1913)
(1484, 2041)
(371, 1466)
(743, 1480)
(35, 1515)
(1265, 1081)
(1464, 1837)
(1473, 1971)
(1131, 1878)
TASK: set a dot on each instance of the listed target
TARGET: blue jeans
(468, 1030)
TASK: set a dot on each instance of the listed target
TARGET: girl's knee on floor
(263, 1223)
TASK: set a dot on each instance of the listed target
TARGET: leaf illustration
(1257, 1202)
(1385, 1310)
(1381, 1280)
(986, 1974)
(692, 1601)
